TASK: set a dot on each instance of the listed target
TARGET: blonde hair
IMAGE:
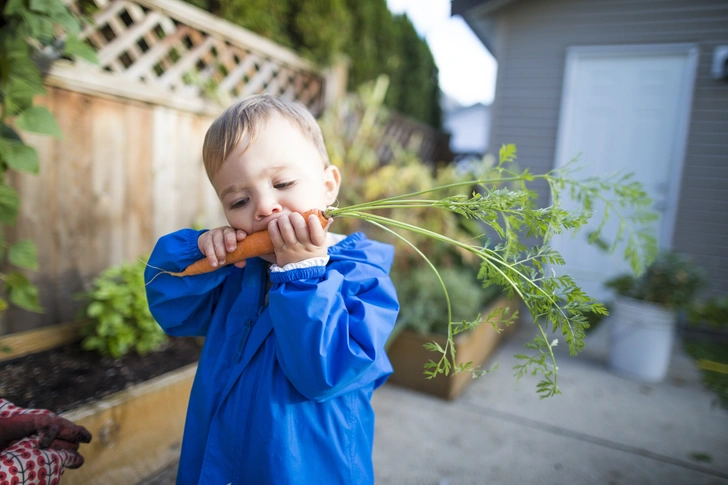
(241, 123)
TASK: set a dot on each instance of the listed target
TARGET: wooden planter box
(136, 432)
(408, 357)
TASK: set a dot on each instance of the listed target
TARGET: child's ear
(332, 181)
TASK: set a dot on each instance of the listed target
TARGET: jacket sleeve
(331, 324)
(182, 306)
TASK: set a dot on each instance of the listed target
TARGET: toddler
(295, 340)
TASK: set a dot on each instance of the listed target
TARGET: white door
(624, 109)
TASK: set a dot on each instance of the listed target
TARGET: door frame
(575, 53)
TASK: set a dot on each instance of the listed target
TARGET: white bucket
(642, 334)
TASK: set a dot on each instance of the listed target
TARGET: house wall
(531, 39)
(467, 126)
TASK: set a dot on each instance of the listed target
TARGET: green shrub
(424, 308)
(119, 314)
(712, 312)
(375, 42)
(671, 280)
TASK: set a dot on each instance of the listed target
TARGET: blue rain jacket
(282, 391)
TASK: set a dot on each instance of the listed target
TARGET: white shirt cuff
(306, 263)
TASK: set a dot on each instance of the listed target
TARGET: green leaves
(38, 120)
(78, 48)
(507, 153)
(28, 33)
(22, 292)
(9, 203)
(120, 317)
(23, 255)
(555, 302)
(19, 156)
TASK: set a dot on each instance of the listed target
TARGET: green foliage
(353, 130)
(120, 318)
(375, 41)
(29, 38)
(266, 18)
(506, 205)
(416, 76)
(423, 303)
(382, 43)
(713, 380)
(712, 311)
(671, 280)
(319, 27)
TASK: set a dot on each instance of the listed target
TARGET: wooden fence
(431, 145)
(129, 166)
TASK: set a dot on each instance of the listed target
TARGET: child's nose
(267, 207)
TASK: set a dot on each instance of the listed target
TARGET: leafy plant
(354, 131)
(672, 281)
(32, 35)
(715, 352)
(501, 201)
(712, 311)
(119, 313)
(424, 304)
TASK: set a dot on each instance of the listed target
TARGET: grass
(716, 381)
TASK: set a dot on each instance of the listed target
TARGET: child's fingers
(230, 238)
(218, 242)
(275, 234)
(241, 264)
(300, 228)
(288, 233)
(316, 232)
(207, 247)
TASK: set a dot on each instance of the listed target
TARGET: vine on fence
(33, 34)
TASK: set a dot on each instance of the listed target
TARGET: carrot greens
(505, 205)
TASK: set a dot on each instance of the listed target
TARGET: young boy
(293, 351)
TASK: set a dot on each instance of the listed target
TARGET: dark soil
(67, 377)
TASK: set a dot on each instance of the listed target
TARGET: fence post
(336, 78)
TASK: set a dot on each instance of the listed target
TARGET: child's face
(281, 172)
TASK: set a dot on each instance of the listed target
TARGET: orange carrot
(256, 244)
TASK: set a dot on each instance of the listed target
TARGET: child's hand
(295, 239)
(216, 243)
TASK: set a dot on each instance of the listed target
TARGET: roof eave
(484, 7)
(475, 13)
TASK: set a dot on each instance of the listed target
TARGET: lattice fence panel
(147, 45)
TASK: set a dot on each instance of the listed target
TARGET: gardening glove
(17, 423)
(24, 463)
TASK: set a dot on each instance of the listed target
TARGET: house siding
(532, 37)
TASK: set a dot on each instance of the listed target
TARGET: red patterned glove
(24, 463)
(18, 423)
(37, 445)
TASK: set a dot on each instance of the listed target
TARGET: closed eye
(239, 203)
(284, 185)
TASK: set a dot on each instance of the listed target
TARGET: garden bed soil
(67, 377)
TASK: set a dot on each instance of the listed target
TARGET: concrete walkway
(603, 430)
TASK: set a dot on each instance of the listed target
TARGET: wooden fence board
(73, 177)
(139, 182)
(124, 174)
